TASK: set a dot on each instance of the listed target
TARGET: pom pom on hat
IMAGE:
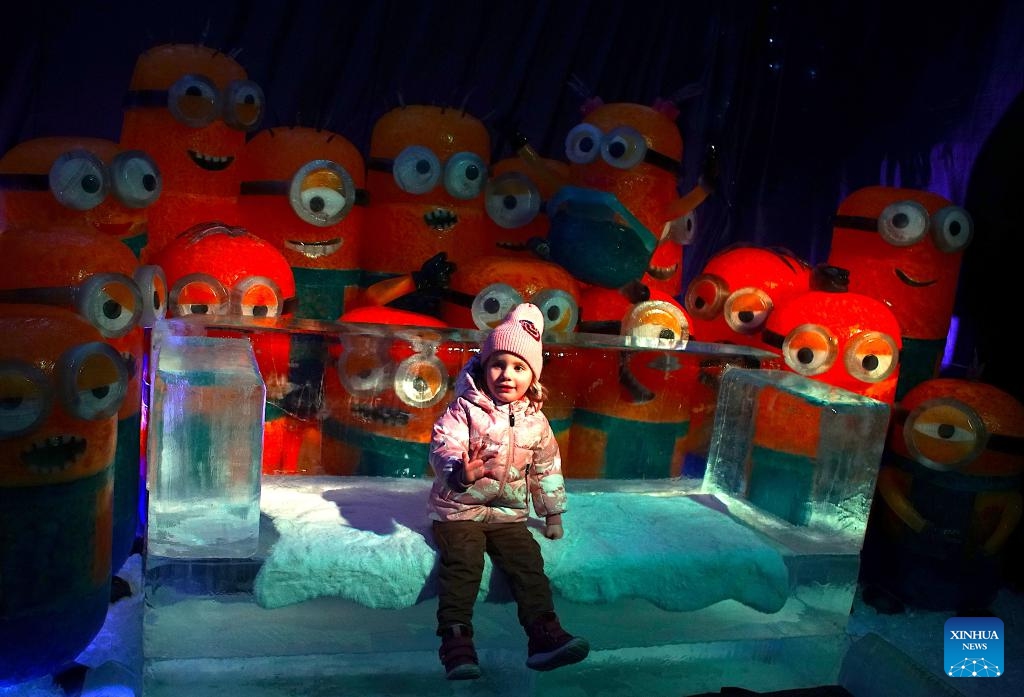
(518, 333)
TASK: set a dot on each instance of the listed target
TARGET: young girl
(491, 449)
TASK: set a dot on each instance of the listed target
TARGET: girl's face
(508, 377)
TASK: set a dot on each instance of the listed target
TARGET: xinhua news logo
(974, 647)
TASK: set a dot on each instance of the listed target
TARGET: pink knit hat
(518, 333)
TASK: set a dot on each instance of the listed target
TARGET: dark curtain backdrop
(804, 101)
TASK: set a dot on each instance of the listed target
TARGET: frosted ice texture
(800, 449)
(205, 448)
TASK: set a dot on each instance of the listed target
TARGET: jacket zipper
(511, 451)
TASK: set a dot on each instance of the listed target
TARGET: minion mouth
(387, 416)
(212, 163)
(54, 454)
(440, 219)
(315, 250)
(911, 282)
(662, 273)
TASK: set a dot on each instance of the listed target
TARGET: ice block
(799, 449)
(205, 448)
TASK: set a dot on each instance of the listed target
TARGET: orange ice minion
(99, 278)
(225, 271)
(948, 498)
(303, 190)
(621, 219)
(190, 106)
(840, 337)
(515, 200)
(426, 173)
(393, 379)
(732, 297)
(828, 334)
(904, 247)
(484, 290)
(632, 413)
(67, 180)
(61, 387)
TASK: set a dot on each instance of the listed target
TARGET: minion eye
(623, 148)
(417, 170)
(560, 310)
(656, 323)
(95, 381)
(944, 434)
(421, 380)
(198, 294)
(512, 200)
(583, 143)
(136, 179)
(747, 309)
(492, 304)
(871, 356)
(809, 350)
(78, 180)
(952, 228)
(194, 100)
(257, 296)
(25, 398)
(243, 105)
(322, 193)
(465, 175)
(903, 223)
(705, 296)
(152, 285)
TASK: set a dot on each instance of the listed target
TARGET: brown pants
(513, 549)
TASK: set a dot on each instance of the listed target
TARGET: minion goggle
(904, 223)
(321, 192)
(111, 302)
(253, 296)
(811, 349)
(622, 147)
(80, 181)
(418, 170)
(947, 434)
(745, 310)
(366, 369)
(195, 101)
(488, 307)
(90, 381)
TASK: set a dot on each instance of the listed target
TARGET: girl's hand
(476, 463)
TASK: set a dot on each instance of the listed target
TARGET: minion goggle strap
(254, 296)
(24, 181)
(111, 302)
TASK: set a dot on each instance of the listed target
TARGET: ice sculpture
(205, 448)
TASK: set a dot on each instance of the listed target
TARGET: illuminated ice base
(331, 645)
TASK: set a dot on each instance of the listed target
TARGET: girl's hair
(536, 392)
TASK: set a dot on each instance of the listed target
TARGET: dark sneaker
(551, 646)
(458, 654)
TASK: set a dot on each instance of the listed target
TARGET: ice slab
(652, 566)
(204, 448)
(796, 448)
